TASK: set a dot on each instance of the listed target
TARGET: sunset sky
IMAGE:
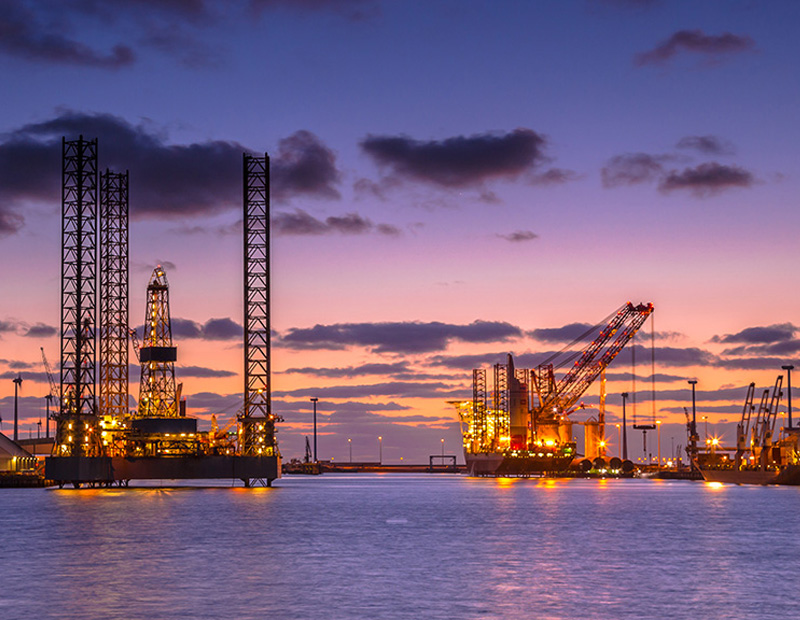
(453, 180)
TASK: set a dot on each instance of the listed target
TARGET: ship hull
(740, 476)
(495, 464)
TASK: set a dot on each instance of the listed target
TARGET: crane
(135, 342)
(51, 396)
(559, 398)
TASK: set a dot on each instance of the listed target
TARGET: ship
(761, 456)
(521, 426)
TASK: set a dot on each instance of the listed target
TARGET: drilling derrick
(257, 423)
(76, 425)
(157, 394)
(114, 294)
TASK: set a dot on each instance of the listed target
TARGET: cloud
(708, 145)
(757, 363)
(632, 169)
(407, 389)
(706, 179)
(33, 36)
(202, 373)
(303, 166)
(462, 161)
(695, 42)
(519, 235)
(301, 223)
(397, 368)
(567, 333)
(760, 335)
(405, 337)
(40, 330)
(213, 329)
(170, 180)
(554, 176)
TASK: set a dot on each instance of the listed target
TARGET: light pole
(624, 429)
(789, 368)
(442, 447)
(17, 383)
(350, 445)
(619, 437)
(314, 400)
(380, 450)
(658, 424)
(693, 429)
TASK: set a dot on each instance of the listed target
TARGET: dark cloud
(707, 179)
(171, 180)
(760, 335)
(554, 176)
(33, 376)
(202, 373)
(568, 333)
(29, 34)
(398, 368)
(461, 161)
(697, 42)
(788, 347)
(213, 329)
(659, 377)
(40, 330)
(520, 235)
(485, 360)
(632, 168)
(708, 145)
(407, 389)
(303, 166)
(405, 337)
(301, 223)
(758, 363)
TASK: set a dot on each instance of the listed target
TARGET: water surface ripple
(402, 546)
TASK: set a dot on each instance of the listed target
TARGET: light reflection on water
(404, 546)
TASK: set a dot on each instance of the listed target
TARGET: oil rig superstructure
(520, 426)
(100, 441)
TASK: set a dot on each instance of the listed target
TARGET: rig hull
(102, 469)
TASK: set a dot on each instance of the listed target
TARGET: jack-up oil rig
(520, 427)
(98, 440)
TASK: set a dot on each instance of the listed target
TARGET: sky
(452, 181)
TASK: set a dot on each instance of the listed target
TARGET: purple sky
(452, 180)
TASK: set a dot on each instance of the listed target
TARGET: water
(402, 546)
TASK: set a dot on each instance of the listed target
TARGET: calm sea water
(403, 546)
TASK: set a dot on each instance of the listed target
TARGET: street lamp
(442, 447)
(658, 424)
(619, 436)
(17, 383)
(624, 429)
(350, 444)
(693, 429)
(380, 450)
(789, 368)
(314, 400)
